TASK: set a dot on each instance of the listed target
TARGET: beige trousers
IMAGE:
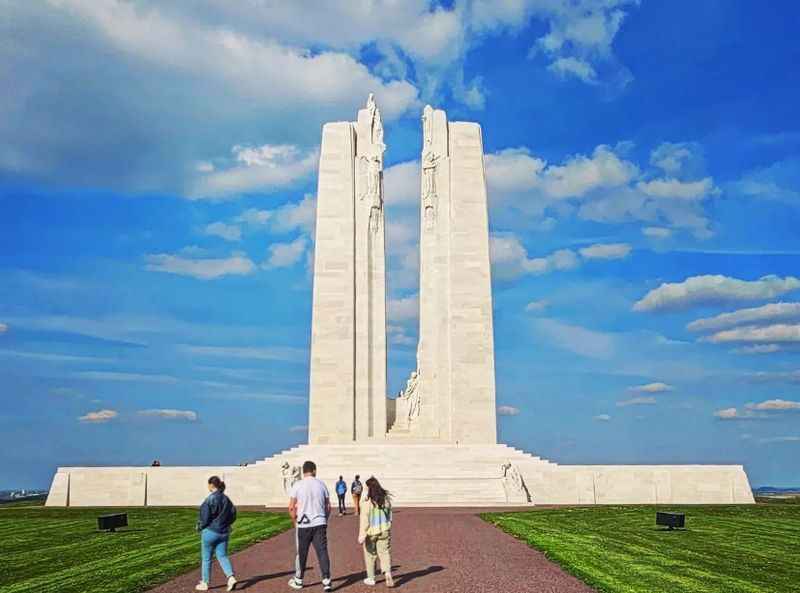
(375, 548)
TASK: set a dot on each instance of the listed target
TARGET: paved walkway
(433, 551)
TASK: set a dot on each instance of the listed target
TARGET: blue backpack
(341, 487)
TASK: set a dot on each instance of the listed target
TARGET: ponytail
(217, 483)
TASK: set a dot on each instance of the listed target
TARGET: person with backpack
(309, 508)
(217, 514)
(375, 532)
(341, 491)
(356, 488)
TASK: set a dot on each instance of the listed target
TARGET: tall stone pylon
(347, 397)
(450, 397)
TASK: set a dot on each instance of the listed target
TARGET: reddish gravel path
(433, 551)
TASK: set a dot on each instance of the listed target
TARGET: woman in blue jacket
(217, 514)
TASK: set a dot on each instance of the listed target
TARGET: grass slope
(48, 550)
(742, 549)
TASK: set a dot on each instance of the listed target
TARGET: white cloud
(295, 216)
(536, 306)
(711, 289)
(778, 181)
(56, 357)
(247, 352)
(756, 315)
(298, 428)
(507, 411)
(401, 184)
(99, 416)
(132, 377)
(787, 439)
(577, 339)
(254, 217)
(510, 259)
(682, 190)
(674, 157)
(781, 377)
(284, 255)
(169, 414)
(567, 67)
(229, 232)
(398, 335)
(204, 269)
(261, 169)
(770, 334)
(602, 418)
(403, 309)
(651, 388)
(606, 251)
(637, 401)
(758, 349)
(655, 232)
(774, 405)
(3, 328)
(728, 414)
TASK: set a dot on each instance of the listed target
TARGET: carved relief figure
(513, 484)
(430, 162)
(427, 127)
(289, 475)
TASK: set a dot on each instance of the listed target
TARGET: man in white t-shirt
(310, 507)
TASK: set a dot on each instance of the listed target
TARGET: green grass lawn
(49, 550)
(725, 549)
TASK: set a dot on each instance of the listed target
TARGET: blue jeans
(214, 543)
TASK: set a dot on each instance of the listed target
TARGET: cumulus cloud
(756, 315)
(770, 334)
(602, 187)
(228, 232)
(536, 306)
(169, 414)
(403, 309)
(284, 255)
(204, 269)
(651, 388)
(637, 401)
(774, 405)
(3, 328)
(606, 251)
(576, 339)
(99, 416)
(730, 414)
(510, 258)
(602, 418)
(507, 411)
(713, 289)
(295, 216)
(570, 66)
(655, 232)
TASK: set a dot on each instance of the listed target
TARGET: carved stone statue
(289, 475)
(430, 161)
(513, 484)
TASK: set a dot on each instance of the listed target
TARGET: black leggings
(318, 536)
(341, 503)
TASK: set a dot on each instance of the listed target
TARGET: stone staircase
(418, 474)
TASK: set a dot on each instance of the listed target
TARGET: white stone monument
(436, 443)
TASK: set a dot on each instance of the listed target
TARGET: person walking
(310, 507)
(375, 531)
(217, 514)
(356, 488)
(341, 491)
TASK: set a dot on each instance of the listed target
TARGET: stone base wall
(417, 475)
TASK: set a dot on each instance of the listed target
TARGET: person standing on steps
(310, 507)
(341, 491)
(375, 531)
(356, 488)
(217, 514)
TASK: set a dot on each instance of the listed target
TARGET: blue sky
(157, 187)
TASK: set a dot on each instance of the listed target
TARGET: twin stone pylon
(450, 396)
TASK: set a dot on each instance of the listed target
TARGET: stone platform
(419, 475)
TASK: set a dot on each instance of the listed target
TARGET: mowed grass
(725, 549)
(48, 550)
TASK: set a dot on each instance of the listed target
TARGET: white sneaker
(201, 586)
(295, 583)
(370, 582)
(231, 583)
(326, 585)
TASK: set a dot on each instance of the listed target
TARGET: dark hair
(376, 493)
(340, 477)
(309, 467)
(357, 476)
(217, 483)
